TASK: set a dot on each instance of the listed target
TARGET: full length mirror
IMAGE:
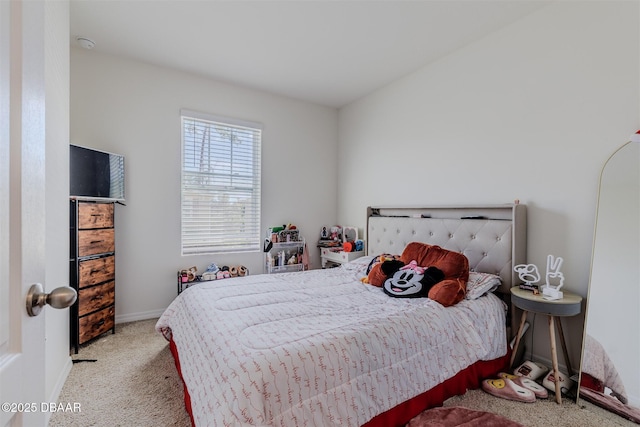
(610, 368)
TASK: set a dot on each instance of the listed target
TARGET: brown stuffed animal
(375, 275)
(454, 265)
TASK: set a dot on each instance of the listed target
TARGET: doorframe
(32, 368)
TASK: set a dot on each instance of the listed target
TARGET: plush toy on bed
(411, 280)
(376, 275)
(454, 266)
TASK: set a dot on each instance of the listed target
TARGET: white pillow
(481, 283)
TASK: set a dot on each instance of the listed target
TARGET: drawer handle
(97, 297)
(100, 323)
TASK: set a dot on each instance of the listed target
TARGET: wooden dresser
(92, 269)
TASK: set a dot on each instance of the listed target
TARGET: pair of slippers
(215, 273)
(238, 270)
(234, 271)
(514, 387)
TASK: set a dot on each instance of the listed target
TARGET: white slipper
(527, 383)
(531, 370)
(549, 382)
(507, 389)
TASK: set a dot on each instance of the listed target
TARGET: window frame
(213, 242)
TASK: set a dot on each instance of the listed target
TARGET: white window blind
(220, 185)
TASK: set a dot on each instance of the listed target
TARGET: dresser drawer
(339, 256)
(95, 324)
(96, 270)
(96, 297)
(95, 215)
(94, 242)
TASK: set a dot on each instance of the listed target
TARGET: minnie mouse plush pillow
(454, 265)
(412, 281)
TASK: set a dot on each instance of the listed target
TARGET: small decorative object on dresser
(92, 269)
(336, 233)
(324, 233)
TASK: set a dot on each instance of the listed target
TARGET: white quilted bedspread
(319, 348)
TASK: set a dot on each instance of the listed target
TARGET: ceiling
(329, 52)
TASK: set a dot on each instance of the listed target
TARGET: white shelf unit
(284, 257)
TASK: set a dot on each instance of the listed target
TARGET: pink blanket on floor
(457, 416)
(596, 362)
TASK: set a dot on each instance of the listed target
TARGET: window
(220, 185)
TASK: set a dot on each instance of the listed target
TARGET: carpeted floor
(133, 382)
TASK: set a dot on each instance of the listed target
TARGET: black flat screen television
(95, 174)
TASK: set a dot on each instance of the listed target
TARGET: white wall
(131, 108)
(530, 112)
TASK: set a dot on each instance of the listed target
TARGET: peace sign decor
(554, 279)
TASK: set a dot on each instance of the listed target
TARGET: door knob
(61, 297)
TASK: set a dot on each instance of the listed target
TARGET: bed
(321, 348)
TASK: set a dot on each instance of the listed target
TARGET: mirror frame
(591, 271)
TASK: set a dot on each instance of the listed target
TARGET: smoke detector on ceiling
(85, 42)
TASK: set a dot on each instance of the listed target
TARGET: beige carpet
(134, 382)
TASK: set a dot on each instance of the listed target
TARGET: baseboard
(57, 389)
(144, 315)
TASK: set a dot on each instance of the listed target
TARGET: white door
(22, 220)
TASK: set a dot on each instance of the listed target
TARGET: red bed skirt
(468, 379)
(187, 398)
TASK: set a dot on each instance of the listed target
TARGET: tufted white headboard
(492, 237)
